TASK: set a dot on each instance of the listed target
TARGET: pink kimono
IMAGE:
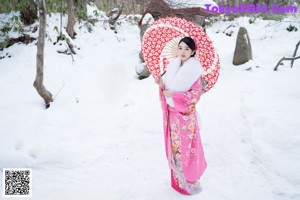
(182, 139)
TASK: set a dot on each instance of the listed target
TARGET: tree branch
(295, 52)
(284, 58)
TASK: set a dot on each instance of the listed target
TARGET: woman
(180, 90)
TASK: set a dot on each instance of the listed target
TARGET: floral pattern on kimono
(182, 138)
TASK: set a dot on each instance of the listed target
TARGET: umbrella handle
(163, 74)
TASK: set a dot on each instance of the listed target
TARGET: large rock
(141, 69)
(243, 50)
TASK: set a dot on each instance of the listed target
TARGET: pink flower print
(194, 101)
(195, 92)
(173, 126)
(174, 136)
(192, 128)
(192, 109)
(193, 150)
(192, 136)
(177, 142)
(193, 120)
(178, 156)
(174, 148)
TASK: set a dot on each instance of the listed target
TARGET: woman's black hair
(190, 43)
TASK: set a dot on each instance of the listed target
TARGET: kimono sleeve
(162, 99)
(185, 102)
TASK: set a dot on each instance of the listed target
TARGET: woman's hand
(159, 81)
(168, 93)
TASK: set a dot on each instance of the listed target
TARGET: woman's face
(184, 51)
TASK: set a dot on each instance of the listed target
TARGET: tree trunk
(295, 52)
(71, 19)
(268, 4)
(39, 79)
(142, 8)
(255, 2)
(234, 2)
(132, 7)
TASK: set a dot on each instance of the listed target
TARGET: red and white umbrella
(160, 43)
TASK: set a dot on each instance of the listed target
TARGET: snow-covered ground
(102, 136)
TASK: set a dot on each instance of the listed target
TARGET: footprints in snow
(33, 153)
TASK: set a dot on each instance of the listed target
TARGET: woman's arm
(184, 102)
(159, 82)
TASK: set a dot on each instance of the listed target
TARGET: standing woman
(180, 90)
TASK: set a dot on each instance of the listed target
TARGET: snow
(102, 136)
(148, 19)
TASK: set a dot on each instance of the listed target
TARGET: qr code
(17, 182)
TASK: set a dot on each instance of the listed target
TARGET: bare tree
(39, 79)
(292, 59)
(114, 15)
(71, 19)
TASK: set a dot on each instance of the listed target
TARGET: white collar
(181, 78)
